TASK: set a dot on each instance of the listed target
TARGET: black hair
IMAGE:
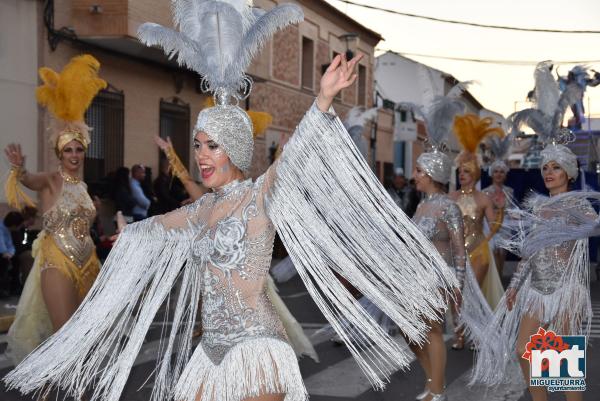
(13, 219)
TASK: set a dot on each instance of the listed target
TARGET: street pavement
(337, 377)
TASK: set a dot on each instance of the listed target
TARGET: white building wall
(400, 79)
(403, 80)
(18, 80)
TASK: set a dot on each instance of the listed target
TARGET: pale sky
(500, 85)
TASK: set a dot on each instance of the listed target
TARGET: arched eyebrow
(77, 147)
(208, 141)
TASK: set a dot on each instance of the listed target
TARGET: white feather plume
(546, 90)
(440, 114)
(414, 108)
(500, 146)
(572, 93)
(460, 87)
(546, 117)
(440, 117)
(355, 123)
(358, 115)
(218, 38)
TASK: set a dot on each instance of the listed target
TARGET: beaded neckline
(68, 178)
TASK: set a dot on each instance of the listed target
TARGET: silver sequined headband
(437, 165)
(498, 165)
(231, 128)
(563, 156)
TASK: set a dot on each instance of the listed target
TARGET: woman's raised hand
(162, 144)
(14, 155)
(340, 75)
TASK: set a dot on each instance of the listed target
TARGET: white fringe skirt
(252, 368)
(564, 311)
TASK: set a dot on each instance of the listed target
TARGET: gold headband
(68, 136)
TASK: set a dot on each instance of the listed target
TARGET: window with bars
(175, 124)
(106, 117)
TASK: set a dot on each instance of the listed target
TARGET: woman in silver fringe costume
(295, 334)
(551, 286)
(321, 197)
(440, 219)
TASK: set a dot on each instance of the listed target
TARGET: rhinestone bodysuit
(473, 221)
(233, 248)
(440, 220)
(68, 221)
(549, 264)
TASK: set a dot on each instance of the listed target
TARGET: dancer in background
(440, 219)
(550, 289)
(475, 207)
(501, 195)
(65, 259)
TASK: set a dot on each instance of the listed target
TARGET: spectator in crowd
(7, 251)
(142, 203)
(102, 241)
(121, 195)
(20, 225)
(168, 190)
(403, 194)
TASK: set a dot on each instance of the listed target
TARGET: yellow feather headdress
(67, 95)
(470, 130)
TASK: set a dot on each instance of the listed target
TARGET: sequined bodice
(440, 219)
(233, 248)
(68, 221)
(549, 265)
(472, 220)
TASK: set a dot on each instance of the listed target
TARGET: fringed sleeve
(334, 216)
(15, 196)
(97, 347)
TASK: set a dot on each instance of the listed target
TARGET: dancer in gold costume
(475, 207)
(65, 258)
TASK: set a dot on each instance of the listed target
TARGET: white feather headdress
(439, 120)
(219, 38)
